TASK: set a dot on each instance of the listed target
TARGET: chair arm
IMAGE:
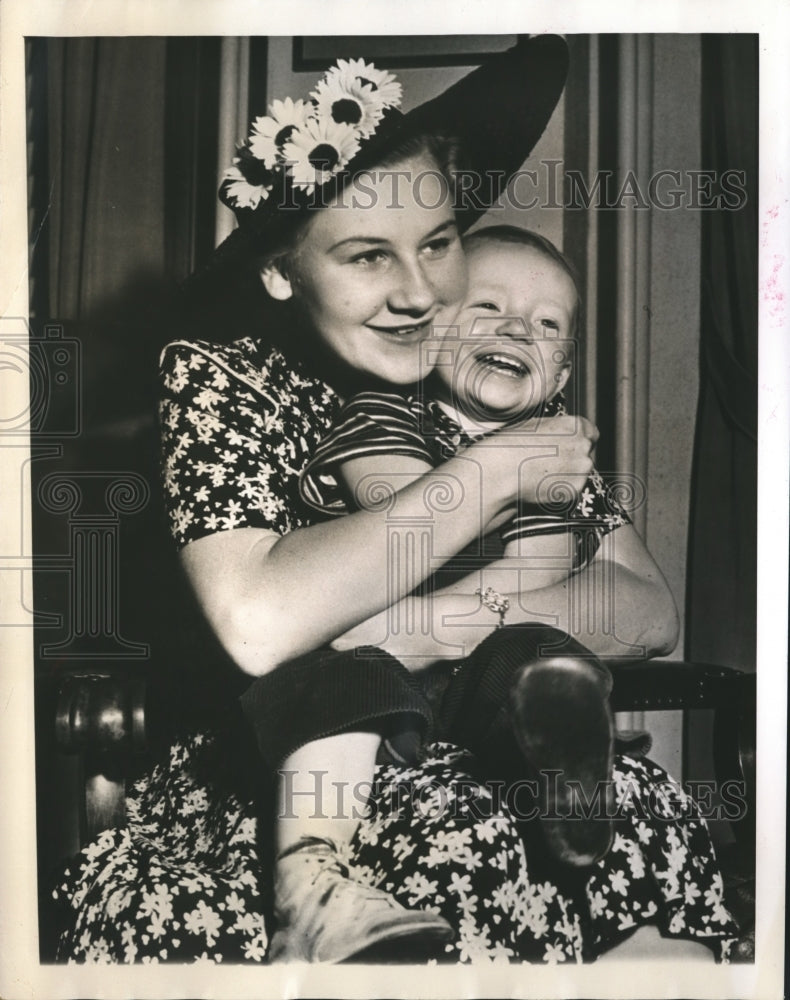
(731, 694)
(664, 685)
(100, 714)
(102, 711)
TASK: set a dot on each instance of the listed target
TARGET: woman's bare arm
(618, 606)
(271, 598)
(365, 477)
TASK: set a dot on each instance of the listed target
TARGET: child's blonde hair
(529, 238)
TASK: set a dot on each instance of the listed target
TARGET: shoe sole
(413, 942)
(411, 947)
(563, 723)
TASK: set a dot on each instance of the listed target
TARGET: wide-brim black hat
(497, 114)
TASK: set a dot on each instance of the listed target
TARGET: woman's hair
(529, 238)
(444, 150)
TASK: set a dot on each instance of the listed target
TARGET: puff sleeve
(238, 424)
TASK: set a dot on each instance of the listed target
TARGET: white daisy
(348, 102)
(319, 150)
(269, 134)
(382, 83)
(238, 192)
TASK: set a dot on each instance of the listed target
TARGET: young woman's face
(375, 273)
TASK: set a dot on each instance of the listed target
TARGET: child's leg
(324, 787)
(319, 721)
(325, 693)
(533, 704)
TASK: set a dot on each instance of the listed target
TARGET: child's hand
(553, 458)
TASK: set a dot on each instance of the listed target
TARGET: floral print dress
(187, 877)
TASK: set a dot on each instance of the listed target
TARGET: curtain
(130, 127)
(106, 168)
(122, 139)
(722, 551)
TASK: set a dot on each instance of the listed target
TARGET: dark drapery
(122, 150)
(106, 220)
(721, 619)
(130, 130)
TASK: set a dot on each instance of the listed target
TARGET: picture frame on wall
(312, 52)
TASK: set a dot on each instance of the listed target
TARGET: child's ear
(276, 283)
(562, 377)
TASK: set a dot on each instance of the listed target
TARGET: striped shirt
(374, 423)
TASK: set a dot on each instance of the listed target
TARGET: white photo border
(21, 975)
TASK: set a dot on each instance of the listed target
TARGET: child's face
(512, 351)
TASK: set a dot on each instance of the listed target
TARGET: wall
(672, 287)
(675, 311)
(674, 339)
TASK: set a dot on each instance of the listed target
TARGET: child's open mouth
(503, 364)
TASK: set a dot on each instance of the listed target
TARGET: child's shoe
(323, 915)
(563, 725)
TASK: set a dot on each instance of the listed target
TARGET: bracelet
(495, 602)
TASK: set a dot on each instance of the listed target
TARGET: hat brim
(497, 113)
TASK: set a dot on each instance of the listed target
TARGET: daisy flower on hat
(384, 84)
(306, 143)
(247, 182)
(270, 133)
(356, 93)
(318, 150)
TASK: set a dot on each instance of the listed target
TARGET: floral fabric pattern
(188, 877)
(184, 881)
(238, 426)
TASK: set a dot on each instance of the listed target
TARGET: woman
(367, 280)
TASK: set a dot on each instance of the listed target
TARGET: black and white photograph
(471, 708)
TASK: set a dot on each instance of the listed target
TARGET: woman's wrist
(498, 469)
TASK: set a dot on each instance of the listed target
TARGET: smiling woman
(365, 287)
(296, 598)
(371, 284)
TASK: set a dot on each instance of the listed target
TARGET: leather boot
(563, 725)
(323, 915)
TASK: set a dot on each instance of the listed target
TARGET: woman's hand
(271, 598)
(551, 458)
